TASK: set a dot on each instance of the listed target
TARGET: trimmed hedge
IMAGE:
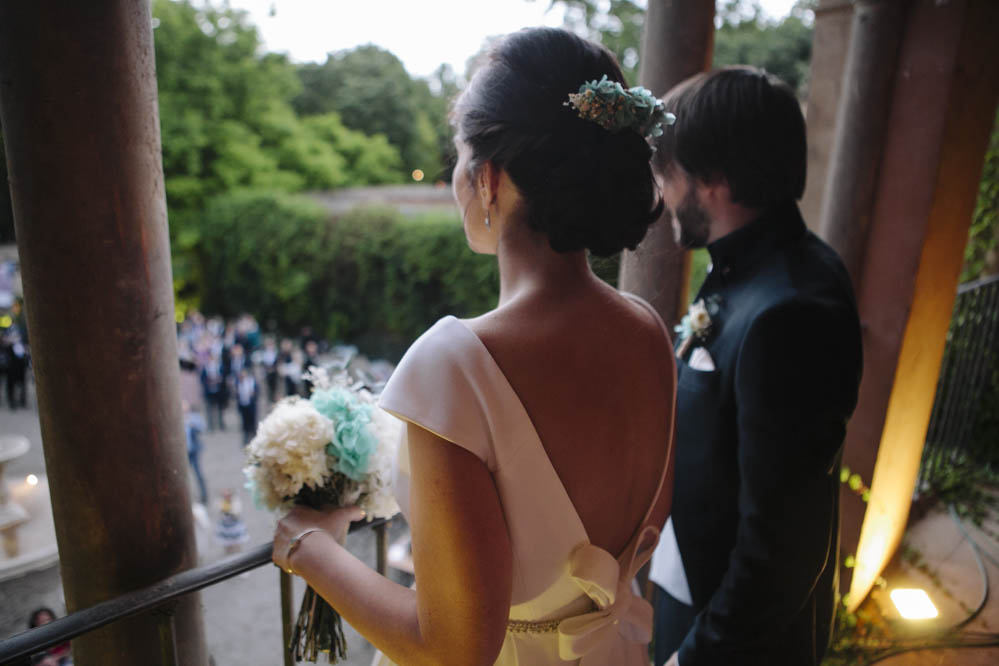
(372, 277)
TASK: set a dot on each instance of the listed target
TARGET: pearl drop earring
(487, 220)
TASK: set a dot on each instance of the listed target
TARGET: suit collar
(747, 246)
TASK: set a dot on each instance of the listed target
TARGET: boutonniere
(696, 324)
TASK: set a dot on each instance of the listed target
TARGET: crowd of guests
(225, 364)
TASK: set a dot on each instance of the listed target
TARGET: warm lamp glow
(417, 175)
(913, 604)
(32, 480)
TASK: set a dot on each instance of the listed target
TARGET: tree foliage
(227, 121)
(617, 25)
(981, 256)
(372, 92)
(783, 46)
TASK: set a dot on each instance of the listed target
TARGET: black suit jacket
(755, 505)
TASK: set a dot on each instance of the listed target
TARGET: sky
(421, 33)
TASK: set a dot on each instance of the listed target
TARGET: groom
(770, 361)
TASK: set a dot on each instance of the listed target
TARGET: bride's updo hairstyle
(583, 186)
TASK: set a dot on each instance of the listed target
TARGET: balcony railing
(959, 427)
(17, 650)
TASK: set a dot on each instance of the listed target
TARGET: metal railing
(18, 649)
(969, 379)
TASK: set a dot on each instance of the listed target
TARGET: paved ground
(242, 615)
(955, 583)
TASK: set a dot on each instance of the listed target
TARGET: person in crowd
(59, 655)
(191, 389)
(214, 386)
(233, 362)
(246, 402)
(289, 367)
(770, 362)
(16, 367)
(269, 362)
(194, 425)
(310, 360)
(230, 530)
(537, 462)
(4, 361)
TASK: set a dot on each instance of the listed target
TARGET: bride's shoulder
(439, 342)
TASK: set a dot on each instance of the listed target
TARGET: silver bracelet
(295, 542)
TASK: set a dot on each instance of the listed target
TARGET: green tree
(616, 24)
(371, 90)
(782, 46)
(227, 120)
(368, 160)
(213, 89)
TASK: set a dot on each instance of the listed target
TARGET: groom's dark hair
(740, 124)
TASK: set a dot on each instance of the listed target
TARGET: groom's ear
(715, 190)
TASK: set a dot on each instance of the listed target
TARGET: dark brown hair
(583, 186)
(741, 124)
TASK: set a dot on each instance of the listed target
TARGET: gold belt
(529, 627)
(543, 626)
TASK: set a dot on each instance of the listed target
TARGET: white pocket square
(700, 359)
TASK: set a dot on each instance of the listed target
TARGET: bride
(536, 469)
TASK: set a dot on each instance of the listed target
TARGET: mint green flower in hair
(609, 105)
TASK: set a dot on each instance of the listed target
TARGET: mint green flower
(353, 443)
(612, 107)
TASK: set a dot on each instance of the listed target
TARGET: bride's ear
(487, 184)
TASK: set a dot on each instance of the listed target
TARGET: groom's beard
(691, 225)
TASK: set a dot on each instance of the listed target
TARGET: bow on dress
(620, 612)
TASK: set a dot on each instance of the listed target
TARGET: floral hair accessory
(612, 107)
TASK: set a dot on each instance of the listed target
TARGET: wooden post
(677, 44)
(79, 111)
(861, 121)
(943, 103)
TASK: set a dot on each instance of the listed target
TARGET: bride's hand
(300, 519)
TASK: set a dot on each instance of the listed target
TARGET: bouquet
(334, 449)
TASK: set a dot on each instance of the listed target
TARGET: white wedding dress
(572, 602)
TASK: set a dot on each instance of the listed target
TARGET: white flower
(288, 452)
(378, 500)
(700, 320)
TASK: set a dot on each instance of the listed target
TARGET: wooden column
(830, 41)
(79, 111)
(677, 43)
(861, 120)
(943, 102)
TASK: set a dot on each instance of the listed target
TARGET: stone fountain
(27, 530)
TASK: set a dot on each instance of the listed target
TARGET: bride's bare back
(593, 372)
